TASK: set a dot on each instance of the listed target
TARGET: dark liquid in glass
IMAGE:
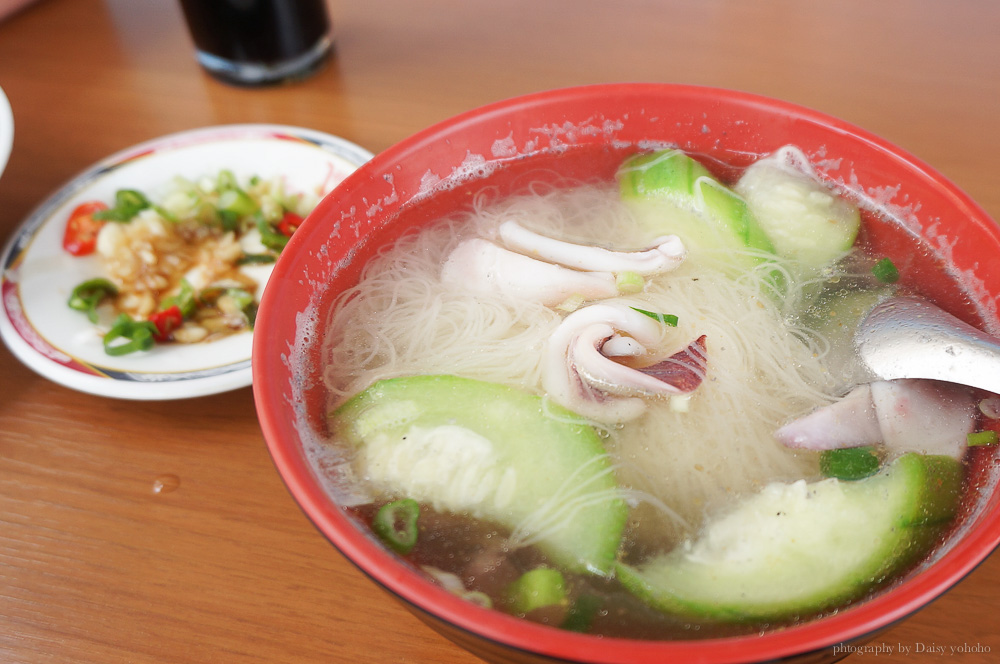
(259, 33)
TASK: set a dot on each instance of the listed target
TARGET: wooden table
(160, 532)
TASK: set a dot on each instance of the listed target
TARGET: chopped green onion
(237, 202)
(165, 213)
(478, 597)
(211, 294)
(571, 303)
(396, 524)
(241, 298)
(225, 180)
(990, 407)
(852, 463)
(542, 586)
(679, 403)
(128, 203)
(988, 437)
(89, 294)
(581, 613)
(138, 335)
(629, 282)
(666, 319)
(885, 271)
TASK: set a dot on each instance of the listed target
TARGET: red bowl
(584, 133)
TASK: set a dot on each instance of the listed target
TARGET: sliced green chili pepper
(243, 301)
(666, 319)
(89, 294)
(138, 333)
(230, 220)
(128, 203)
(251, 313)
(256, 259)
(269, 237)
(184, 300)
(396, 524)
(988, 437)
(885, 271)
(852, 463)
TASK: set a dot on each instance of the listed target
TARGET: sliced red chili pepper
(289, 223)
(166, 322)
(80, 237)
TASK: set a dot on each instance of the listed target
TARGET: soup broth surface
(774, 350)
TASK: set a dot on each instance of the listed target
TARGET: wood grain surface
(160, 532)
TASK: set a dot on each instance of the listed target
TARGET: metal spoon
(905, 337)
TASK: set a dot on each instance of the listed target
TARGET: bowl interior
(583, 134)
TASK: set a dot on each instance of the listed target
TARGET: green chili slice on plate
(128, 203)
(184, 299)
(269, 237)
(256, 259)
(89, 294)
(137, 335)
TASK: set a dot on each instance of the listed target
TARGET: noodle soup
(541, 423)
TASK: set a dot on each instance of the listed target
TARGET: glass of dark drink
(259, 42)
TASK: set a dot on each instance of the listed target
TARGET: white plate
(6, 130)
(38, 275)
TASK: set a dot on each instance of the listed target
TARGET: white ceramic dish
(38, 275)
(6, 130)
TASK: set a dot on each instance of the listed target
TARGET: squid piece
(484, 267)
(666, 255)
(619, 346)
(580, 375)
(906, 415)
(685, 369)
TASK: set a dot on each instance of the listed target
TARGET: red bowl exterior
(583, 132)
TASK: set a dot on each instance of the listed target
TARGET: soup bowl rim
(853, 624)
